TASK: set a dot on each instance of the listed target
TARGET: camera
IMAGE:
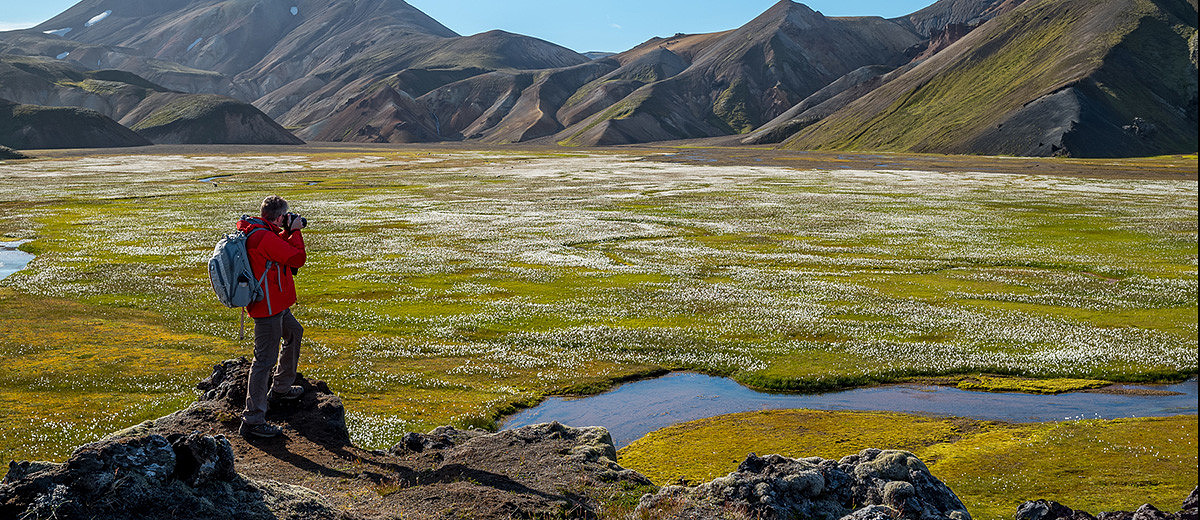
(289, 218)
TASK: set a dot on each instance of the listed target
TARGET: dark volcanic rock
(317, 415)
(1049, 510)
(149, 476)
(167, 469)
(873, 484)
(1042, 509)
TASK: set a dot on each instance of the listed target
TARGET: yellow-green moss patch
(1094, 465)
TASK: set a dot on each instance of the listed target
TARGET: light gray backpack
(230, 273)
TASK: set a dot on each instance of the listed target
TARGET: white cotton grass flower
(515, 270)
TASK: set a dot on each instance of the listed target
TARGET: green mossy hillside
(31, 127)
(1125, 58)
(202, 109)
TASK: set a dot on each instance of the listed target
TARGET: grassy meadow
(1093, 465)
(450, 286)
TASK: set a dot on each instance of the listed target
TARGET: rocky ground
(193, 465)
(1050, 510)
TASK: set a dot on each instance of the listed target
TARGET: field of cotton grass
(450, 286)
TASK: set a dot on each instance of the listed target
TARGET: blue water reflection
(635, 409)
(12, 259)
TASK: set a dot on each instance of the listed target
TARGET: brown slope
(820, 104)
(535, 114)
(748, 77)
(943, 13)
(499, 106)
(686, 46)
(1050, 77)
(381, 114)
(644, 68)
(508, 107)
(300, 67)
(236, 34)
(418, 68)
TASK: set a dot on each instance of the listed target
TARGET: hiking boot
(292, 394)
(264, 430)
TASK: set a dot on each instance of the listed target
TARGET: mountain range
(1007, 77)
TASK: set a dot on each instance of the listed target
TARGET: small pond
(635, 409)
(12, 259)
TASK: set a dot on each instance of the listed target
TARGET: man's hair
(273, 207)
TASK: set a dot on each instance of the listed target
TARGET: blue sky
(608, 25)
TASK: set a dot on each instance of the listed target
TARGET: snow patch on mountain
(98, 18)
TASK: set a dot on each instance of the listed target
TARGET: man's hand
(296, 224)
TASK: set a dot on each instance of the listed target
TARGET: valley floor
(452, 285)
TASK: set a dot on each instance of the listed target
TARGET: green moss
(999, 383)
(731, 107)
(197, 108)
(1032, 51)
(619, 110)
(106, 88)
(435, 294)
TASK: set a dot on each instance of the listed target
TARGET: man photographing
(274, 258)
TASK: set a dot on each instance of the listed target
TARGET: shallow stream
(12, 259)
(635, 409)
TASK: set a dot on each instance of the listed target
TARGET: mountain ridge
(383, 71)
(1046, 101)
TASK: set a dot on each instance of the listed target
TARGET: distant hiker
(274, 258)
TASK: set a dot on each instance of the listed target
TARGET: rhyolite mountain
(383, 71)
(667, 88)
(1087, 78)
(748, 76)
(154, 112)
(380, 70)
(303, 51)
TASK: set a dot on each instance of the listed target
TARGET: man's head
(273, 207)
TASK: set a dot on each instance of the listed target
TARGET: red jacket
(286, 252)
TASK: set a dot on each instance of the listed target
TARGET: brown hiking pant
(268, 358)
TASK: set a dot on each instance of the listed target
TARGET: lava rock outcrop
(873, 484)
(1043, 509)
